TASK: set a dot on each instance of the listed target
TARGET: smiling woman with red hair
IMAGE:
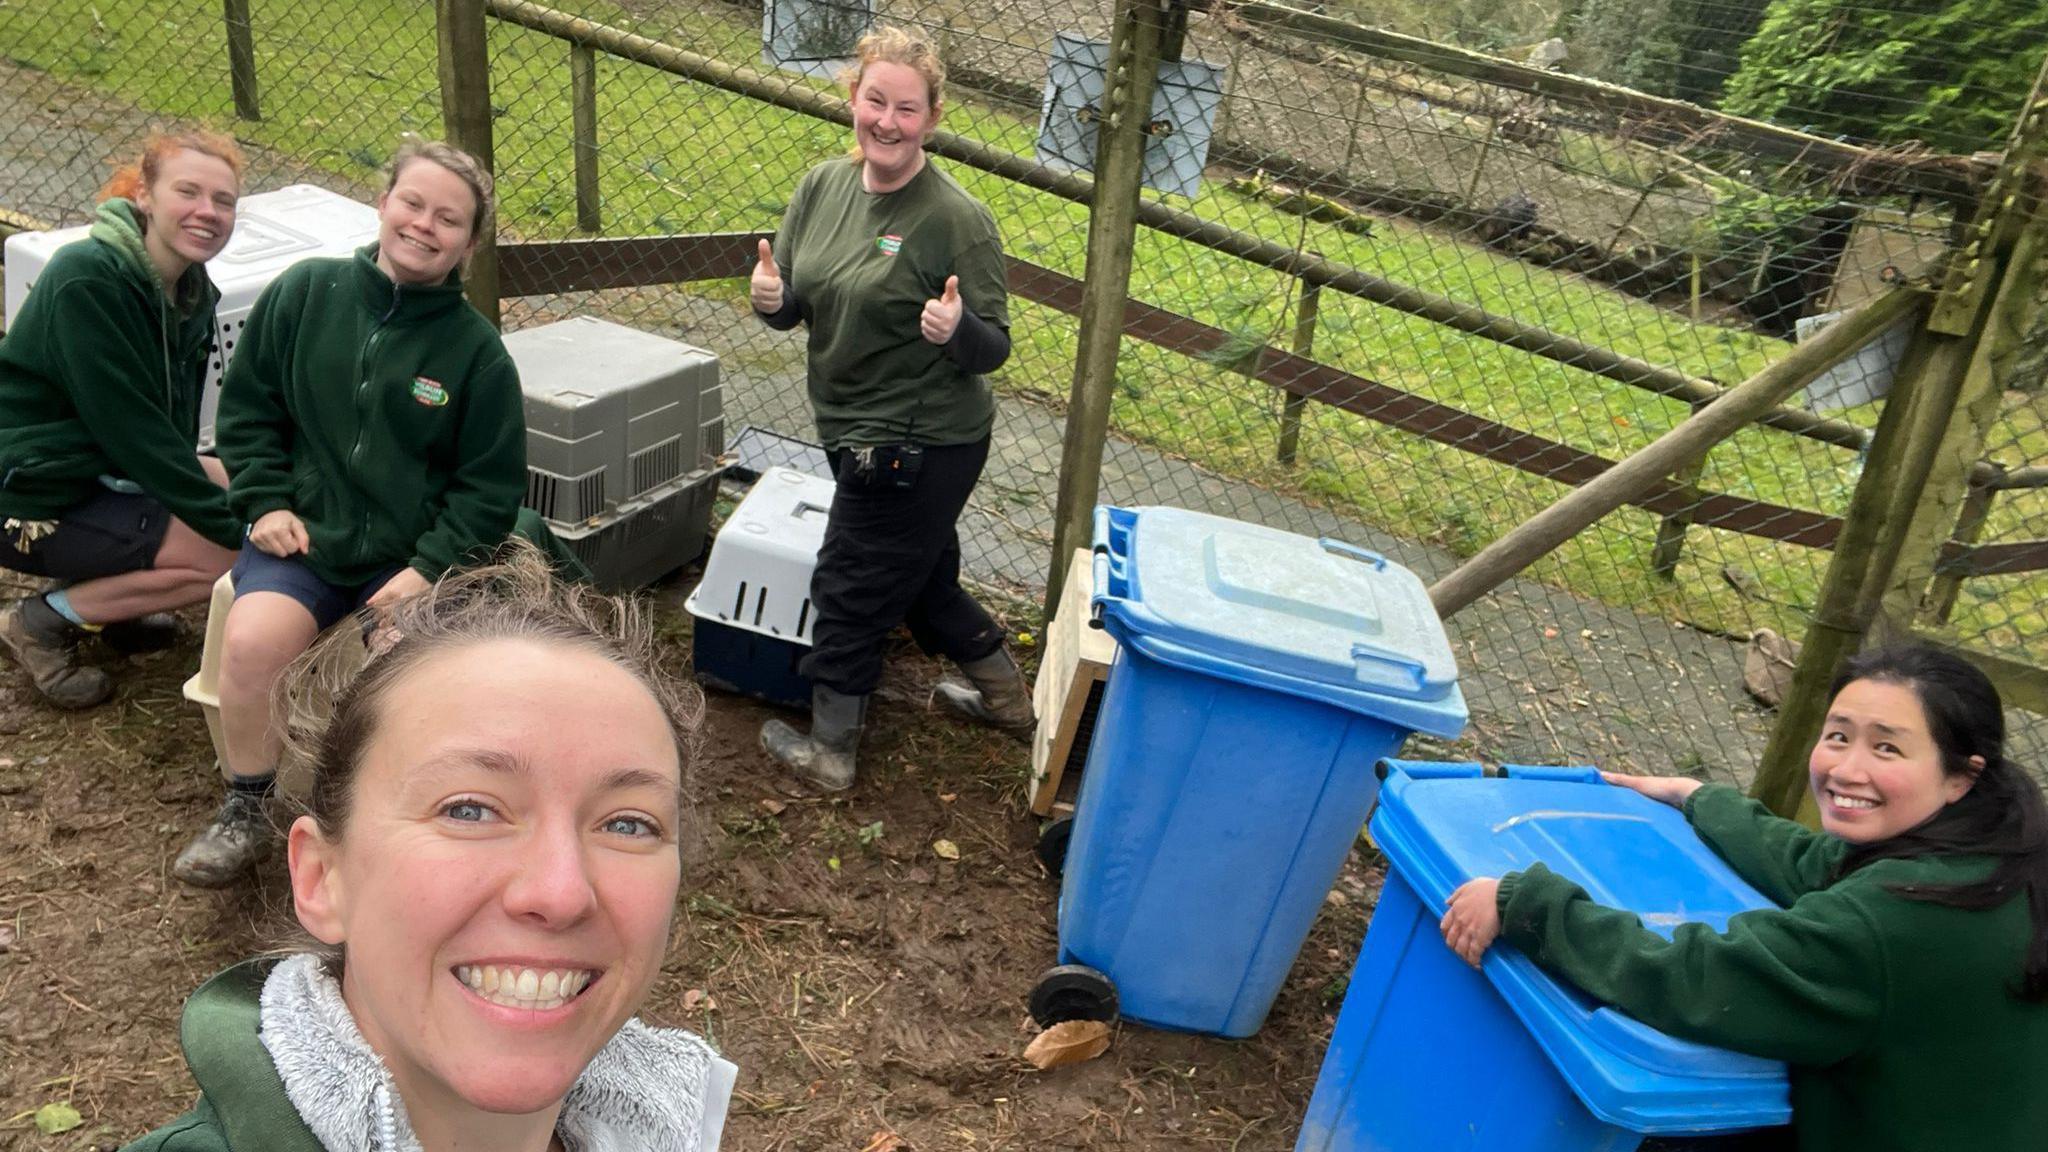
(101, 487)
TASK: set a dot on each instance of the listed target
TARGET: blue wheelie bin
(1259, 676)
(1430, 1055)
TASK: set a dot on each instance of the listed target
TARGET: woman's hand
(1472, 921)
(942, 316)
(280, 533)
(765, 288)
(1672, 790)
(406, 582)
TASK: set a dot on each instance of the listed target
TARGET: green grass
(341, 80)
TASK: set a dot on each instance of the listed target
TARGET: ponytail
(2003, 817)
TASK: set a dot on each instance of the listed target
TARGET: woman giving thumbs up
(898, 275)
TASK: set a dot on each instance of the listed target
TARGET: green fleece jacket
(1895, 1016)
(387, 417)
(100, 376)
(242, 1103)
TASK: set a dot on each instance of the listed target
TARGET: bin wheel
(1073, 992)
(1052, 845)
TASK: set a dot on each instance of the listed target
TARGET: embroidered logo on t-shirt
(889, 244)
(429, 392)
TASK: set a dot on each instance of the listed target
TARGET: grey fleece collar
(643, 1092)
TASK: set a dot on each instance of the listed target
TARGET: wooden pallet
(1071, 678)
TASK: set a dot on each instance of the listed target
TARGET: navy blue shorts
(259, 571)
(107, 534)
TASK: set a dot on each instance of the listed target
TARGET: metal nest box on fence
(1861, 378)
(813, 37)
(1184, 104)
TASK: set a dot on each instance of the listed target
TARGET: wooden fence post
(583, 115)
(1293, 404)
(1901, 454)
(242, 59)
(1894, 512)
(1112, 229)
(1479, 165)
(1670, 545)
(465, 68)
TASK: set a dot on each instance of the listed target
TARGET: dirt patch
(883, 993)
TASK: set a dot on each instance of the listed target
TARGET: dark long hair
(2002, 816)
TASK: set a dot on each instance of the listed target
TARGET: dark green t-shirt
(862, 264)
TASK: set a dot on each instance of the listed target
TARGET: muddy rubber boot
(824, 757)
(46, 645)
(152, 633)
(996, 695)
(239, 838)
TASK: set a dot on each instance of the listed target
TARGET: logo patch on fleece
(429, 392)
(889, 243)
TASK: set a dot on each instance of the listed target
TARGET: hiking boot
(239, 838)
(825, 757)
(152, 633)
(995, 695)
(46, 646)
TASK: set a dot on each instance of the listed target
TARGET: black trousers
(892, 556)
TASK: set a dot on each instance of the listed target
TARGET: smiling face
(188, 211)
(503, 886)
(426, 224)
(892, 116)
(1877, 771)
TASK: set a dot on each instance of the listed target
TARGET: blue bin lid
(1443, 824)
(1316, 618)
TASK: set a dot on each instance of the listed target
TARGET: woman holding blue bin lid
(375, 431)
(101, 489)
(1905, 977)
(899, 276)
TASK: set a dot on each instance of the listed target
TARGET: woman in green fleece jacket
(1905, 977)
(374, 428)
(101, 489)
(489, 860)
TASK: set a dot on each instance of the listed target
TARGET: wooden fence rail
(546, 267)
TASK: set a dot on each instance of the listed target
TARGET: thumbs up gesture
(942, 316)
(766, 285)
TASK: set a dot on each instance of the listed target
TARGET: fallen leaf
(59, 1117)
(886, 1141)
(946, 849)
(774, 807)
(1068, 1042)
(832, 862)
(697, 998)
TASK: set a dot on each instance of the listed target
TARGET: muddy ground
(883, 995)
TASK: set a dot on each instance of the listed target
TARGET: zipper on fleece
(364, 358)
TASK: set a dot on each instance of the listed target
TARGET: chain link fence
(1525, 275)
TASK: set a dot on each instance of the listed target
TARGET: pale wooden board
(1076, 657)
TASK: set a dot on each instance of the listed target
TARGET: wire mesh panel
(1411, 286)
